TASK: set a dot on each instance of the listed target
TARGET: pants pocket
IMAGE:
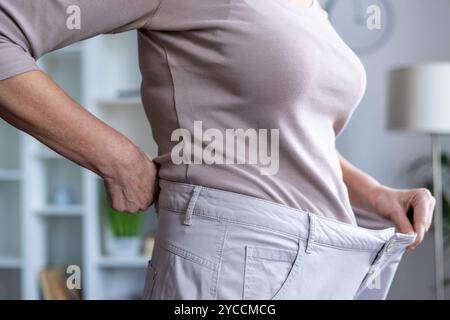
(268, 271)
(150, 280)
(180, 274)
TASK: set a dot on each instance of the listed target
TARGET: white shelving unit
(11, 258)
(35, 231)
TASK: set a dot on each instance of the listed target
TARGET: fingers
(133, 191)
(403, 224)
(431, 205)
(423, 206)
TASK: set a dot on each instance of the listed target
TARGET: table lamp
(419, 101)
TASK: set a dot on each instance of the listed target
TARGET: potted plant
(124, 232)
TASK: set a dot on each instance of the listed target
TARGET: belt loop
(191, 205)
(311, 232)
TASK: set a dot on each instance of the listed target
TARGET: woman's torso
(252, 65)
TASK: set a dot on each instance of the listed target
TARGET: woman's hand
(133, 185)
(394, 204)
(368, 194)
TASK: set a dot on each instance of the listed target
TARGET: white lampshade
(419, 98)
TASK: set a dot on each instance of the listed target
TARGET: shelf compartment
(120, 47)
(10, 219)
(148, 227)
(122, 284)
(10, 263)
(63, 182)
(129, 118)
(123, 263)
(61, 211)
(64, 67)
(10, 284)
(64, 241)
(10, 175)
(121, 103)
(9, 147)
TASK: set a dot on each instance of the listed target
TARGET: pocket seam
(185, 254)
(151, 277)
(294, 270)
(251, 256)
(271, 254)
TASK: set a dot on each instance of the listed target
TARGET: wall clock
(355, 24)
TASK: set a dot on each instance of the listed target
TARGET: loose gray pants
(214, 244)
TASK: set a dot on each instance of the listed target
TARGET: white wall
(421, 34)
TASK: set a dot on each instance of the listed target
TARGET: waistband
(247, 210)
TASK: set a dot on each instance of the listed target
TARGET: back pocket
(268, 271)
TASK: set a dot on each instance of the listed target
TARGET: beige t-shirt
(219, 67)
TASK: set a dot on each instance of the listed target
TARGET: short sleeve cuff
(14, 61)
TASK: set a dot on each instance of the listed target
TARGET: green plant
(125, 224)
(122, 224)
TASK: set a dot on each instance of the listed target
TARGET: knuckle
(119, 208)
(132, 209)
(425, 193)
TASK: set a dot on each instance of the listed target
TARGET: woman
(227, 229)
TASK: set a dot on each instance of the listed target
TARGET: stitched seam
(251, 197)
(216, 275)
(280, 205)
(269, 259)
(291, 235)
(237, 222)
(181, 212)
(247, 274)
(292, 274)
(183, 253)
(174, 99)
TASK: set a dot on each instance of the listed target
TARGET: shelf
(120, 102)
(49, 213)
(10, 263)
(64, 240)
(10, 234)
(64, 67)
(10, 280)
(10, 175)
(117, 262)
(61, 211)
(63, 180)
(127, 115)
(9, 147)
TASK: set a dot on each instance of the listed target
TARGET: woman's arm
(368, 194)
(35, 104)
(32, 102)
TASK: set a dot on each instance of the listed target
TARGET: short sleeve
(31, 28)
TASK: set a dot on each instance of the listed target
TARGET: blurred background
(54, 215)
